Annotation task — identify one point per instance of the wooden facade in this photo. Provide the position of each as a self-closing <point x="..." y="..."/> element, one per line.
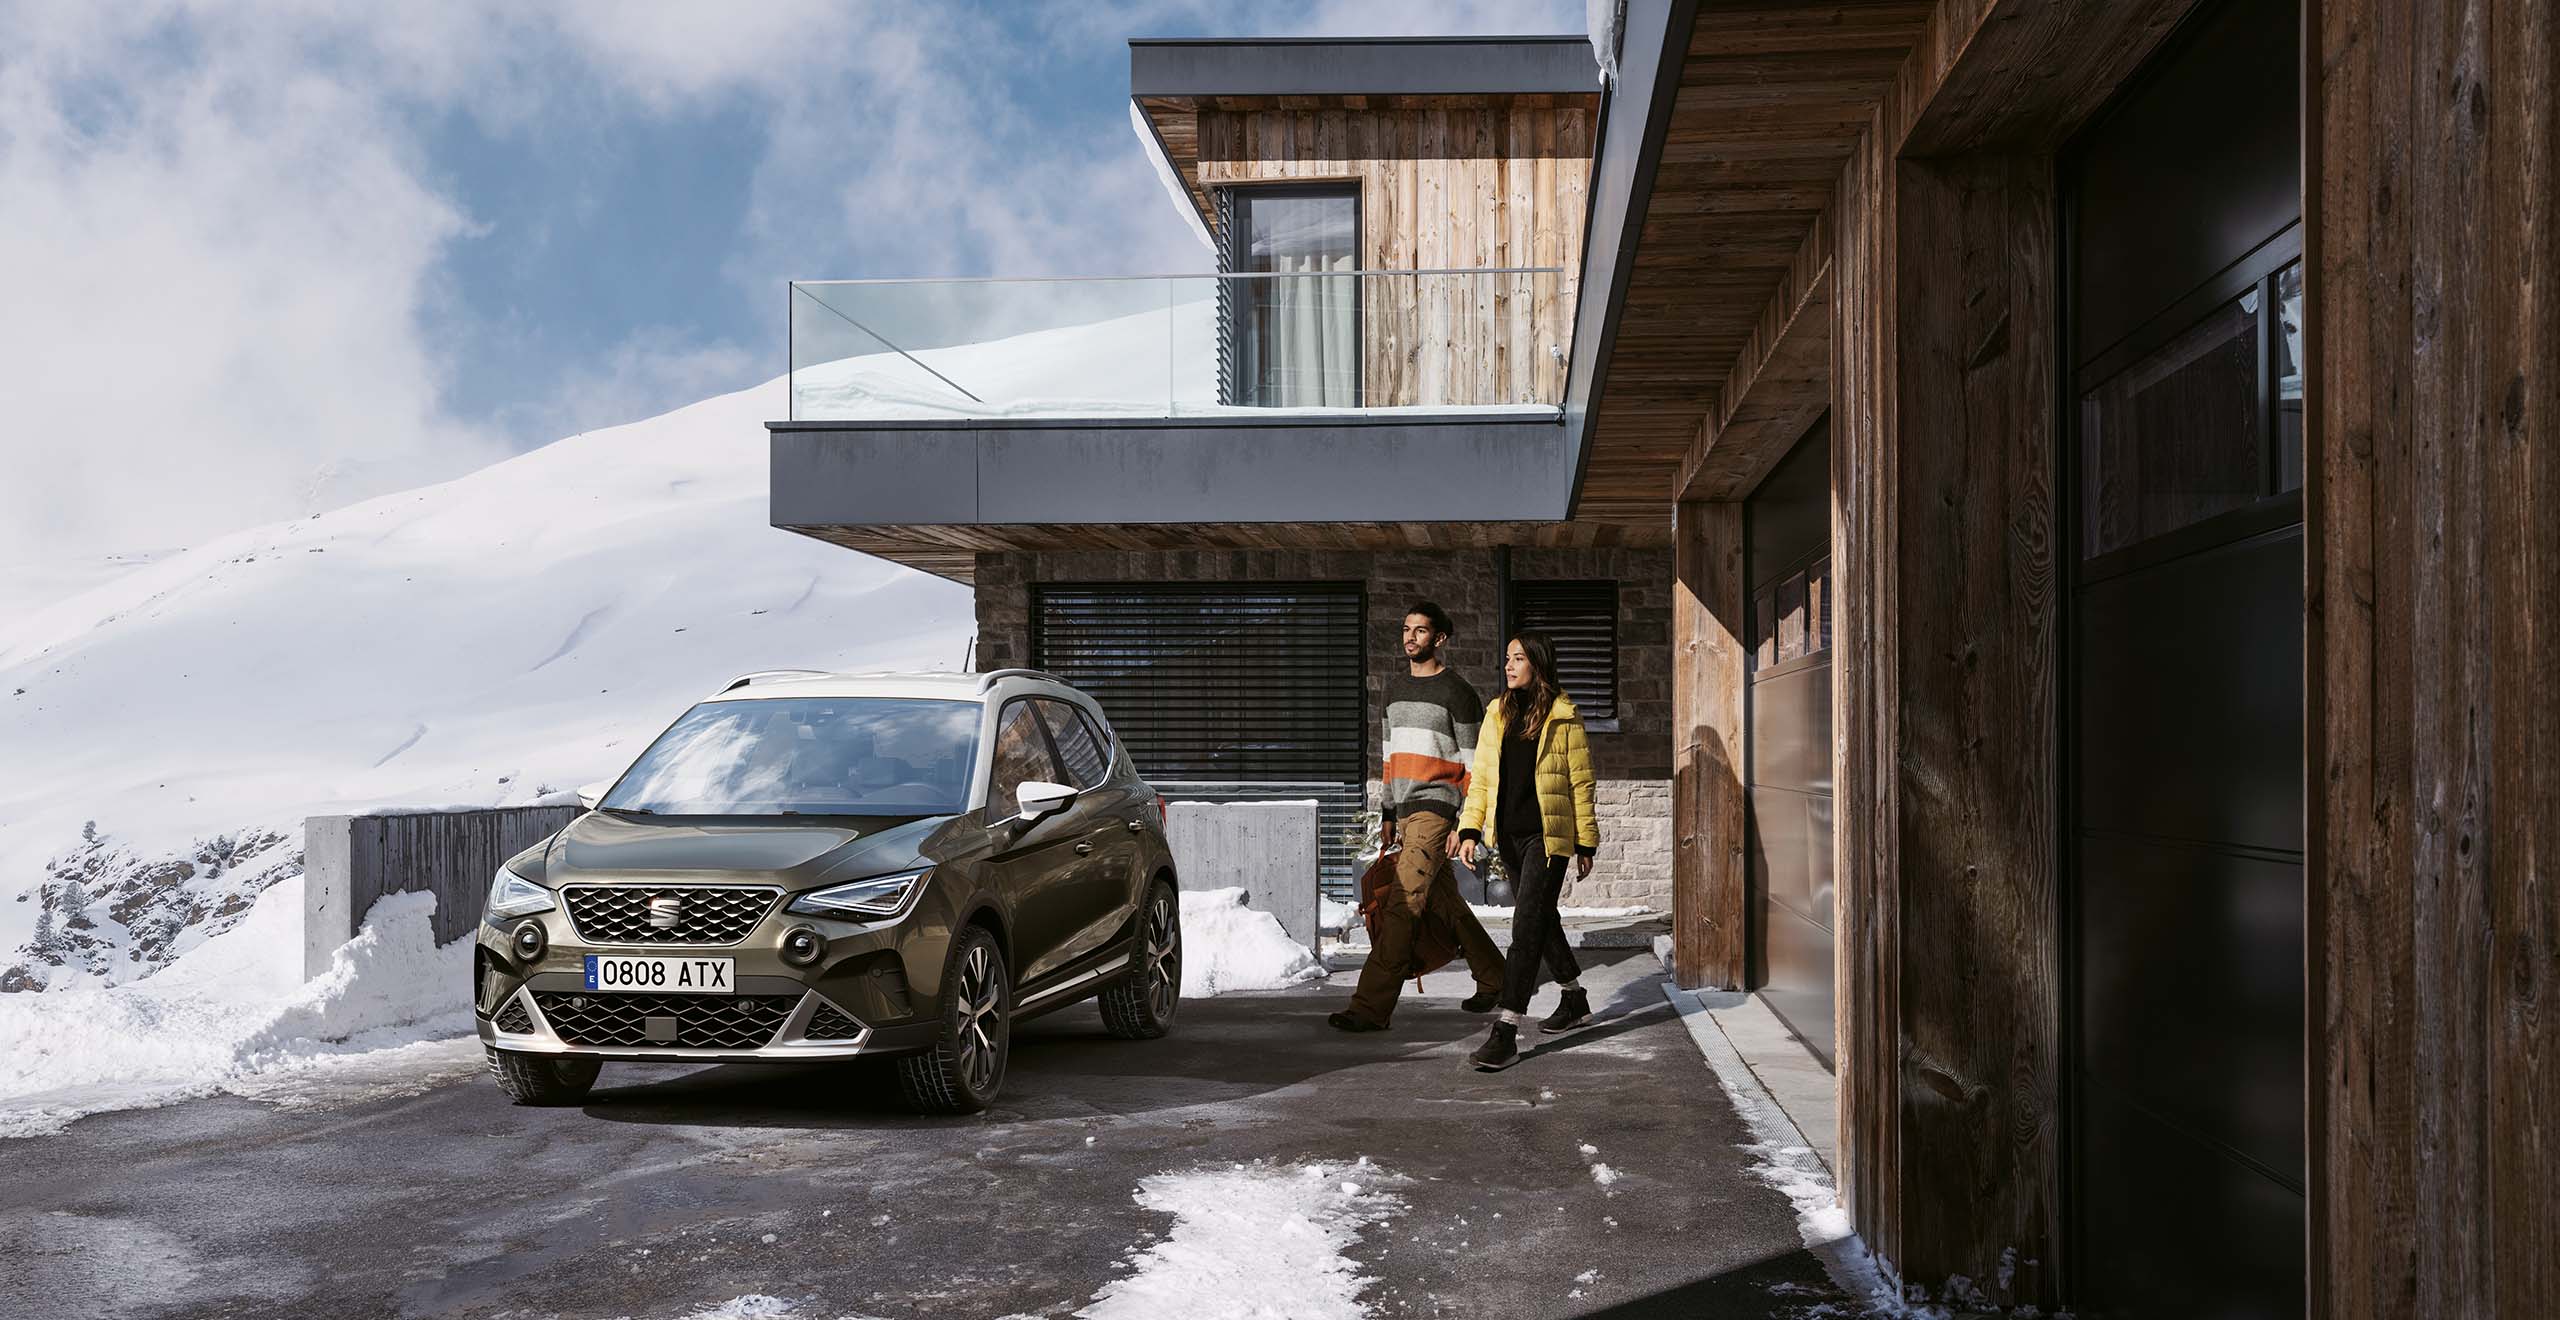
<point x="2434" y="258"/>
<point x="1445" y="183"/>
<point x="1855" y="214"/>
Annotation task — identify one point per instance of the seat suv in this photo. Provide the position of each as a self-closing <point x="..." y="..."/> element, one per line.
<point x="816" y="866"/>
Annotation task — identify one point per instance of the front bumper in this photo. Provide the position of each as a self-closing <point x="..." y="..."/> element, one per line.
<point x="872" y="991"/>
<point x="523" y="1023"/>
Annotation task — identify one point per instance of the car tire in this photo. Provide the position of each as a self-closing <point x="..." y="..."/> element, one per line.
<point x="1141" y="1005"/>
<point x="964" y="1070"/>
<point x="538" y="1079"/>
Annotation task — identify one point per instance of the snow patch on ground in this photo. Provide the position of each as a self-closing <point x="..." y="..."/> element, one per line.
<point x="1335" y="914"/>
<point x="1227" y="946"/>
<point x="1251" y="1241"/>
<point x="234" y="1015"/>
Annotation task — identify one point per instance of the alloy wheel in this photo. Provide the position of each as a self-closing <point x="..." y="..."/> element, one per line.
<point x="1164" y="956"/>
<point x="981" y="1017"/>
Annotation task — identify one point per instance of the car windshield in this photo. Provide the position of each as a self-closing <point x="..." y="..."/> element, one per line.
<point x="831" y="756"/>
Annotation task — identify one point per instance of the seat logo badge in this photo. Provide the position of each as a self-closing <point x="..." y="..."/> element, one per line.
<point x="664" y="910"/>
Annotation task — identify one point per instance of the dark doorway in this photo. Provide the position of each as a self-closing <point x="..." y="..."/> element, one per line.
<point x="1787" y="851"/>
<point x="2183" y="899"/>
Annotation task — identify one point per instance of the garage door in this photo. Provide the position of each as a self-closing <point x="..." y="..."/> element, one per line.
<point x="2182" y="898"/>
<point x="1225" y="690"/>
<point x="1787" y="849"/>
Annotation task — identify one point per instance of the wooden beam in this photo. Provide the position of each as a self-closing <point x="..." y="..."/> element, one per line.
<point x="1776" y="395"/>
<point x="1708" y="609"/>
<point x="2022" y="75"/>
<point x="1977" y="795"/>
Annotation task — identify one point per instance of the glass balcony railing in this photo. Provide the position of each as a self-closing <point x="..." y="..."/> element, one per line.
<point x="1181" y="345"/>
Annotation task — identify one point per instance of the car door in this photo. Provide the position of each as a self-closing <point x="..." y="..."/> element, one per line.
<point x="1032" y="863"/>
<point x="1104" y="880"/>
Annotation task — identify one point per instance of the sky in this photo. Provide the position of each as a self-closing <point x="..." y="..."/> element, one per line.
<point x="261" y="259"/>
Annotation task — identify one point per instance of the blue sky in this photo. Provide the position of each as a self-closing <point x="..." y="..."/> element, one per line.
<point x="340" y="249"/>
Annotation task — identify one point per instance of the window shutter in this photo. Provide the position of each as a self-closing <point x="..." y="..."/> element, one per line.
<point x="1226" y="691"/>
<point x="1582" y="619"/>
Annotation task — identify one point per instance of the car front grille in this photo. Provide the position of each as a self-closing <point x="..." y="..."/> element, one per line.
<point x="513" y="1018"/>
<point x="828" y="1024"/>
<point x="703" y="914"/>
<point x="701" y="1022"/>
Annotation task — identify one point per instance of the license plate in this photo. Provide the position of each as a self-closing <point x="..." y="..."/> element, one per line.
<point x="663" y="976"/>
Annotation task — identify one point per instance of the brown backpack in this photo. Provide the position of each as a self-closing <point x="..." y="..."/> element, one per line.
<point x="1434" y="945"/>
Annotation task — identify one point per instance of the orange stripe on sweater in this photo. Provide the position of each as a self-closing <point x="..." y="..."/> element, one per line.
<point x="1418" y="768"/>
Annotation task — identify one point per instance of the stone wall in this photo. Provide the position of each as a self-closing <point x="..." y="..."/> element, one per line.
<point x="1633" y="764"/>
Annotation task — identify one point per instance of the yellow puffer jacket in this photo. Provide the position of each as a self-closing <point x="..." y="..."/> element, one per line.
<point x="1565" y="785"/>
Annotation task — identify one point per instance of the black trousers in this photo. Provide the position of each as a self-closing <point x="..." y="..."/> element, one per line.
<point x="1537" y="933"/>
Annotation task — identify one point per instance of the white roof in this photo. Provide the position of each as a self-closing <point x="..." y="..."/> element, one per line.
<point x="938" y="686"/>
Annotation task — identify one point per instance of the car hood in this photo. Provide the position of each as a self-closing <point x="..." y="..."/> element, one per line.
<point x="796" y="854"/>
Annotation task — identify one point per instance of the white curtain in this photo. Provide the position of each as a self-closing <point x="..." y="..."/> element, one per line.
<point x="1302" y="344"/>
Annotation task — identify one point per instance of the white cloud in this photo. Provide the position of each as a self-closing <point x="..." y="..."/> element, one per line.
<point x="220" y="232"/>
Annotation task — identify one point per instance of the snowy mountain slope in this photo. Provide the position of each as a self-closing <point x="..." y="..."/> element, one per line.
<point x="506" y="635"/>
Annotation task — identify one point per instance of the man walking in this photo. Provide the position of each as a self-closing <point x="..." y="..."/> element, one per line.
<point x="1431" y="721"/>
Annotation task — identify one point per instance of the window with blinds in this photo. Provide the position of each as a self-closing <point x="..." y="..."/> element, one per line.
<point x="1226" y="691"/>
<point x="1229" y="682"/>
<point x="1582" y="619"/>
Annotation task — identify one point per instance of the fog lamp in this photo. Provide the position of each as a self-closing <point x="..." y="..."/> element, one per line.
<point x="528" y="941"/>
<point x="802" y="946"/>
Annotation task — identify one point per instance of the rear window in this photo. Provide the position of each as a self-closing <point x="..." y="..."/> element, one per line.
<point x="807" y="756"/>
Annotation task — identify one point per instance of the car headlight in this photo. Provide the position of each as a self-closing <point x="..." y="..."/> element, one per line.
<point x="879" y="896"/>
<point x="512" y="896"/>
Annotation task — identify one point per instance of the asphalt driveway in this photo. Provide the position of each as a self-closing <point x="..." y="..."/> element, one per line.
<point x="675" y="1189"/>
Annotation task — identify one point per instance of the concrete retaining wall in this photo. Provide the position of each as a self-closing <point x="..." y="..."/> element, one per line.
<point x="1267" y="849"/>
<point x="349" y="862"/>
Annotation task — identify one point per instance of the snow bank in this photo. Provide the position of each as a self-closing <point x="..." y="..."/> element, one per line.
<point x="1228" y="946"/>
<point x="233" y="1011"/>
<point x="1253" y="1240"/>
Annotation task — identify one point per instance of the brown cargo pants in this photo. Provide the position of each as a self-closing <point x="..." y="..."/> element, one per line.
<point x="1425" y="891"/>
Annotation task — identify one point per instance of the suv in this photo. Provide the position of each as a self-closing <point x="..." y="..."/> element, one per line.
<point x="819" y="866"/>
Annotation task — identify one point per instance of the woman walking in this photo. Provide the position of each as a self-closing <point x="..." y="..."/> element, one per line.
<point x="1532" y="786"/>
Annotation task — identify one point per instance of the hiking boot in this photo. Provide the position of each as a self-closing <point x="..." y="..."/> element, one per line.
<point x="1573" y="1011"/>
<point x="1482" y="1001"/>
<point x="1346" y="1022"/>
<point x="1500" y="1050"/>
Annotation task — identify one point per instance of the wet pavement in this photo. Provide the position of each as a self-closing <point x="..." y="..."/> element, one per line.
<point x="674" y="1189"/>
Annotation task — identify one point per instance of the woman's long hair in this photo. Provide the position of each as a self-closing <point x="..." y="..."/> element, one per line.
<point x="1524" y="709"/>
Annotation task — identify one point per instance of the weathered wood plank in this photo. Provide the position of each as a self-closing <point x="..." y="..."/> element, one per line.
<point x="1709" y="608"/>
<point x="2434" y="502"/>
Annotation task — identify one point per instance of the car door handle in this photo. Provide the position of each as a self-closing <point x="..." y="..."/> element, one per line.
<point x="1084" y="850"/>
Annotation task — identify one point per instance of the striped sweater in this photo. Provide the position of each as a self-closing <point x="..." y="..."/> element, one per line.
<point x="1430" y="739"/>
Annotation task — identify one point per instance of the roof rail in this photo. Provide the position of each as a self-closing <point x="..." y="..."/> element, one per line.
<point x="994" y="676"/>
<point x="773" y="676"/>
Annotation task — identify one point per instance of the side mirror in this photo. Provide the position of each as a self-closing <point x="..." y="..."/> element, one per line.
<point x="1038" y="800"/>
<point x="591" y="794"/>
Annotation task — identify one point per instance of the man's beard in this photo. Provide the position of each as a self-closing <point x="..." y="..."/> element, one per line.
<point x="1423" y="656"/>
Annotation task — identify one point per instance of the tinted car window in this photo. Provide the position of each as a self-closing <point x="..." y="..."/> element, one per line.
<point x="1021" y="756"/>
<point x="1078" y="749"/>
<point x="807" y="755"/>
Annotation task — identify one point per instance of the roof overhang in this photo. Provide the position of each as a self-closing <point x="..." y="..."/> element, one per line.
<point x="1372" y="66"/>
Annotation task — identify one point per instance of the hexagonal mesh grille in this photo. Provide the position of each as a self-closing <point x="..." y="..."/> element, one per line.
<point x="702" y="1022"/>
<point x="828" y="1024"/>
<point x="704" y="914"/>
<point x="513" y="1018"/>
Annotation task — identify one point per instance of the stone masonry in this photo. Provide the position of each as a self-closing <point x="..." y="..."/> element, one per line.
<point x="1633" y="763"/>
